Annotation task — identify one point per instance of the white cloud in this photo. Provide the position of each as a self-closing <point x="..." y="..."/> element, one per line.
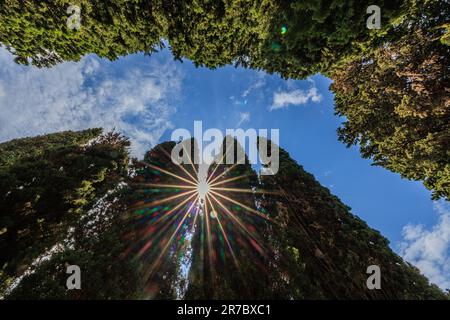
<point x="2" y="90"/>
<point x="429" y="250"/>
<point x="75" y="96"/>
<point x="282" y="99"/>
<point x="258" y="84"/>
<point x="243" y="117"/>
<point x="238" y="102"/>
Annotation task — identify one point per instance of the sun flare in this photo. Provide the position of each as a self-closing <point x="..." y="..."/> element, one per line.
<point x="195" y="192"/>
<point x="203" y="189"/>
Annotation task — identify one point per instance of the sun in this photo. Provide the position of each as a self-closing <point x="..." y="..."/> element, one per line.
<point x="203" y="189"/>
<point x="200" y="193"/>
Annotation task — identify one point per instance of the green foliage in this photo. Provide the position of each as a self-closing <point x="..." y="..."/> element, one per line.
<point x="95" y="245"/>
<point x="324" y="250"/>
<point x="391" y="83"/>
<point x="37" y="31"/>
<point x="216" y="273"/>
<point x="160" y="269"/>
<point x="308" y="247"/>
<point x="46" y="183"/>
<point x="216" y="33"/>
<point x="292" y="38"/>
<point x="395" y="99"/>
<point x="310" y="36"/>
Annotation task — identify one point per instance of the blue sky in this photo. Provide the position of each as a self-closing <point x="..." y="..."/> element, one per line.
<point x="148" y="97"/>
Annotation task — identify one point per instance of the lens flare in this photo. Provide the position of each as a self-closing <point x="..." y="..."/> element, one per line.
<point x="203" y="188"/>
<point x="174" y="199"/>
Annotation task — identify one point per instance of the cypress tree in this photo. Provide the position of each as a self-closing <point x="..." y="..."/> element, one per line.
<point x="324" y="250"/>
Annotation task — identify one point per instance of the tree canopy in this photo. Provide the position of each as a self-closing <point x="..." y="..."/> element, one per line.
<point x="133" y="236"/>
<point x="46" y="184"/>
<point x="391" y="84"/>
<point x="395" y="99"/>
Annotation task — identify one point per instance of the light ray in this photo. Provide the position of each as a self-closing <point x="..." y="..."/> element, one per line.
<point x="190" y="160"/>
<point x="223" y="233"/>
<point x="160" y="185"/>
<point x="223" y="173"/>
<point x="226" y="234"/>
<point x="208" y="240"/>
<point x="220" y="162"/>
<point x="164" y="200"/>
<point x="242" y="205"/>
<point x="171" y="174"/>
<point x="157" y="261"/>
<point x="189" y="156"/>
<point x="167" y="214"/>
<point x="236" y="219"/>
<point x="228" y="180"/>
<point x="241" y="190"/>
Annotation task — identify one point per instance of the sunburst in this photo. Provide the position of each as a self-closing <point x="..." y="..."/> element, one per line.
<point x="195" y="193"/>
